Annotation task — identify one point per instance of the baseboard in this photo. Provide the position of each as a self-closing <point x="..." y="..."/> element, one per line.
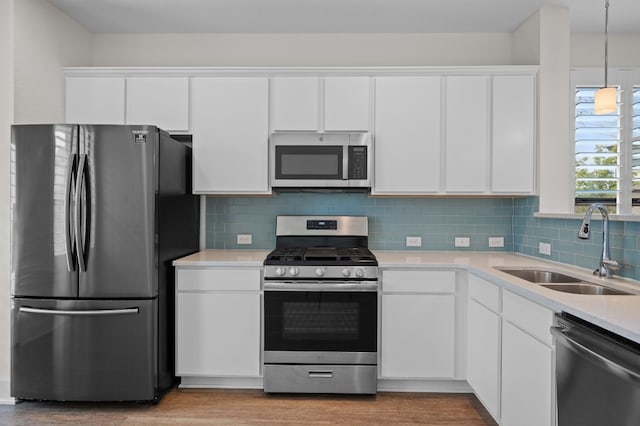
<point x="444" y="386"/>
<point x="221" y="382"/>
<point x="384" y="385"/>
<point x="5" y="391"/>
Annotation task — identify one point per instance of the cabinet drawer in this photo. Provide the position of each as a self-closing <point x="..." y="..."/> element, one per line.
<point x="485" y="293"/>
<point x="218" y="279"/>
<point x="419" y="281"/>
<point x="527" y="315"/>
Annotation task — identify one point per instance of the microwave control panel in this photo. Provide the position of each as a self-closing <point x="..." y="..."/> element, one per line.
<point x="358" y="162"/>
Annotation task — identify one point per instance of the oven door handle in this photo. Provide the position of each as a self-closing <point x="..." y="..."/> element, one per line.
<point x="320" y="286"/>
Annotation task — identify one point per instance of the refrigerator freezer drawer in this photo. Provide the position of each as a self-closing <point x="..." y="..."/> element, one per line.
<point x="84" y="350"/>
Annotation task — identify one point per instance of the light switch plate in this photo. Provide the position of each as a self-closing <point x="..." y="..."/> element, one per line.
<point x="244" y="239"/>
<point x="414" y="242"/>
<point x="544" y="248"/>
<point x="462" y="241"/>
<point x="496" y="241"/>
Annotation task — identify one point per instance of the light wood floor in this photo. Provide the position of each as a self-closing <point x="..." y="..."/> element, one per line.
<point x="250" y="407"/>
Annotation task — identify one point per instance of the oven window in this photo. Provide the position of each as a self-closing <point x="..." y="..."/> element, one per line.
<point x="320" y="321"/>
<point x="309" y="162"/>
<point x="314" y="320"/>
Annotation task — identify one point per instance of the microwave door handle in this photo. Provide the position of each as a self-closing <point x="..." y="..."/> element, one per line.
<point x="345" y="162"/>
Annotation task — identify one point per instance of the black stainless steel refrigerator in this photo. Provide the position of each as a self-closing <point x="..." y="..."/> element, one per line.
<point x="98" y="214"/>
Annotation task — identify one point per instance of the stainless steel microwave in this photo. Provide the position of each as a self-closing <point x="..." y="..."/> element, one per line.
<point x="320" y="160"/>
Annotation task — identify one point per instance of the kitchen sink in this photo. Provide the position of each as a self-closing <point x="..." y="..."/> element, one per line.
<point x="564" y="283"/>
<point x="587" y="288"/>
<point x="541" y="276"/>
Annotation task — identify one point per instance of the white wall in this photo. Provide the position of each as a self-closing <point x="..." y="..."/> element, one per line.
<point x="6" y="118"/>
<point x="36" y="40"/>
<point x="45" y="41"/>
<point x="555" y="148"/>
<point x="525" y="42"/>
<point x="587" y="50"/>
<point x="301" y="49"/>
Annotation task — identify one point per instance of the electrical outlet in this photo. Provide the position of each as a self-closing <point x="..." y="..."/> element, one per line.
<point x="414" y="242"/>
<point x="544" y="248"/>
<point x="244" y="239"/>
<point x="462" y="241"/>
<point x="496" y="241"/>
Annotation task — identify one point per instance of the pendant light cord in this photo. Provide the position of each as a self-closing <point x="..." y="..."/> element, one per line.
<point x="606" y="40"/>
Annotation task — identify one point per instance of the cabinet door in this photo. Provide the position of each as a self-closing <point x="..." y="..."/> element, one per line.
<point x="513" y="151"/>
<point x="467" y="145"/>
<point x="294" y="103"/>
<point x="407" y="135"/>
<point x="230" y="134"/>
<point x="346" y="103"/>
<point x="526" y="379"/>
<point x="483" y="355"/>
<point x="417" y="336"/>
<point x="159" y="101"/>
<point x="218" y="334"/>
<point x="95" y="100"/>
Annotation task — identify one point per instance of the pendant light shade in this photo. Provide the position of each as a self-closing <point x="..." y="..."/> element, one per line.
<point x="606" y="100"/>
<point x="606" y="97"/>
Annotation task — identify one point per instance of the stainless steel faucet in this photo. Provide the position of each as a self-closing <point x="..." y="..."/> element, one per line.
<point x="606" y="263"/>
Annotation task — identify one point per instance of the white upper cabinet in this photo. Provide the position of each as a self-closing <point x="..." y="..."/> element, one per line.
<point x="467" y="146"/>
<point x="294" y="103"/>
<point x="514" y="136"/>
<point x="230" y="134"/>
<point x="311" y="103"/>
<point x="95" y="100"/>
<point x="346" y="103"/>
<point x="407" y="135"/>
<point x="435" y="131"/>
<point x="159" y="101"/>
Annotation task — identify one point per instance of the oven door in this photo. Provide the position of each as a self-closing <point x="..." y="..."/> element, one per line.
<point x="322" y="327"/>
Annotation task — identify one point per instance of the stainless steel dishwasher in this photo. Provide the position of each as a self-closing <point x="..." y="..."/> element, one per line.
<point x="597" y="375"/>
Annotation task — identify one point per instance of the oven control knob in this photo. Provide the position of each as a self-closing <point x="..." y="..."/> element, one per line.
<point x="346" y="272"/>
<point x="319" y="272"/>
<point x="280" y="271"/>
<point x="359" y="272"/>
<point x="294" y="271"/>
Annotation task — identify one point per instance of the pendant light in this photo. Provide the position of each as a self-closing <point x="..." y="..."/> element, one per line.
<point x="606" y="97"/>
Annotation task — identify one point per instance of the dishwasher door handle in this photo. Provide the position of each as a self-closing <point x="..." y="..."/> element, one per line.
<point x="562" y="334"/>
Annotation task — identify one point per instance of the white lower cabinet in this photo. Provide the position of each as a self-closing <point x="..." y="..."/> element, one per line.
<point x="510" y="355"/>
<point x="483" y="360"/>
<point x="418" y="318"/>
<point x="218" y="323"/>
<point x="527" y="364"/>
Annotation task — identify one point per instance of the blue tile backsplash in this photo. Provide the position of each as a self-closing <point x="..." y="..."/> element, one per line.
<point x="566" y="247"/>
<point x="437" y="220"/>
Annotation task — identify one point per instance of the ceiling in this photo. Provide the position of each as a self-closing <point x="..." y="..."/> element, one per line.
<point x="338" y="16"/>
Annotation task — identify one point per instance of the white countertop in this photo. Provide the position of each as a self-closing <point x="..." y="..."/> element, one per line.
<point x="223" y="258"/>
<point x="619" y="314"/>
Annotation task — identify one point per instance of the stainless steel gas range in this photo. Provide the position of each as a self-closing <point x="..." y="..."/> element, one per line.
<point x="320" y="307"/>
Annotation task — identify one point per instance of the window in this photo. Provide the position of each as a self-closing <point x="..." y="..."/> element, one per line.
<point x="597" y="153"/>
<point x="635" y="141"/>
<point x="607" y="147"/>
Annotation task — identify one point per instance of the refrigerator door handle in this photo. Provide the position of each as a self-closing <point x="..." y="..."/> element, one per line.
<point x="80" y="206"/>
<point x="96" y="312"/>
<point x="70" y="248"/>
